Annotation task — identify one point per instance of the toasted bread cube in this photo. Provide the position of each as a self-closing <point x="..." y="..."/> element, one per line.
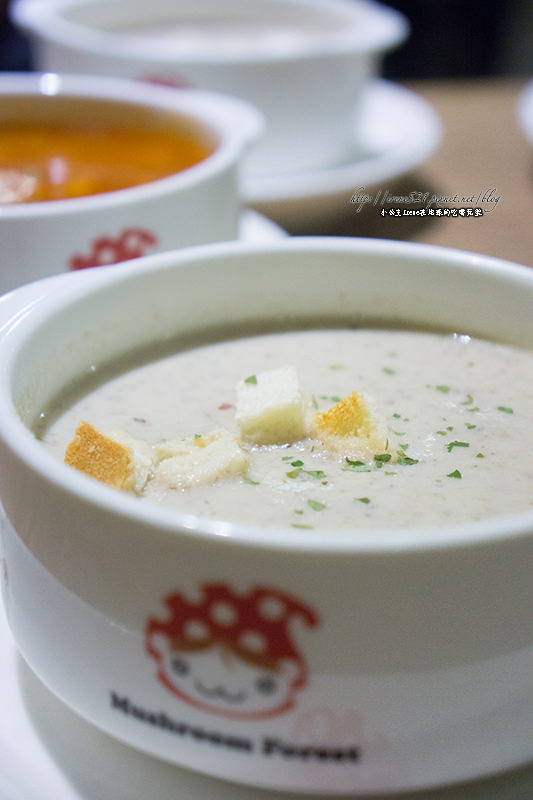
<point x="199" y="460"/>
<point x="143" y="458"/>
<point x="124" y="465"/>
<point x="100" y="457"/>
<point x="352" y="427"/>
<point x="272" y="407"/>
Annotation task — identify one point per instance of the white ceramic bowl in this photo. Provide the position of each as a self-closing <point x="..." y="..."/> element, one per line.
<point x="195" y="206"/>
<point x="305" y="72"/>
<point x="420" y="672"/>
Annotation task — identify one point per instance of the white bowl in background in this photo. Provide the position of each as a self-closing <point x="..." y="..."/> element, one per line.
<point x="198" y="205"/>
<point x="303" y="63"/>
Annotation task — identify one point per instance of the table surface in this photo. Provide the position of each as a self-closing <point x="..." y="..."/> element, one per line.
<point x="483" y="153"/>
<point x="483" y="148"/>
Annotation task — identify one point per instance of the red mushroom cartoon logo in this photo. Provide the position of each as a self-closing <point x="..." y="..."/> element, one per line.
<point x="106" y="250"/>
<point x="229" y="654"/>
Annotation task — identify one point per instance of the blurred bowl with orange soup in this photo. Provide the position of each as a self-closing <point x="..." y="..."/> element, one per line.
<point x="95" y="171"/>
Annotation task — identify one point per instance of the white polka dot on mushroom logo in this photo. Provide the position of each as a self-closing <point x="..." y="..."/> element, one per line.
<point x="223" y="613"/>
<point x="271" y="608"/>
<point x="254" y="641"/>
<point x="196" y="630"/>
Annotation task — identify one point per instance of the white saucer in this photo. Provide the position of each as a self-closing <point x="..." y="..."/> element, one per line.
<point x="398" y="131"/>
<point x="254" y="227"/>
<point x="49" y="753"/>
<point x="525" y="110"/>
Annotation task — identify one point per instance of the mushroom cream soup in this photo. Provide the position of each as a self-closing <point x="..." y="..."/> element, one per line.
<point x="451" y="417"/>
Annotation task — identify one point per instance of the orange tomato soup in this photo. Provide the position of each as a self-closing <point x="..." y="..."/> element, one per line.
<point x="55" y="160"/>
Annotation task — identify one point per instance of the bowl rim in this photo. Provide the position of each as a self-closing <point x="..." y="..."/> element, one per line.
<point x="66" y="288"/>
<point x="212" y="110"/>
<point x="384" y="28"/>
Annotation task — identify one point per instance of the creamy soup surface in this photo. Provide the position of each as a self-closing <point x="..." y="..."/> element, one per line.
<point x="460" y="413"/>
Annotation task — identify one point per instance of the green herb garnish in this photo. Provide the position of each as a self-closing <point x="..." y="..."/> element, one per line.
<point x="251" y="482"/>
<point x="454" y="474"/>
<point x="363" y="499"/>
<point x="293" y="473"/>
<point x="451" y="445"/>
<point x="315" y="473"/>
<point x="505" y="409"/>
<point x="405" y="461"/>
<point x="251" y="379"/>
<point x="443" y="389"/>
<point x="356" y="466"/>
<point x="316" y="505"/>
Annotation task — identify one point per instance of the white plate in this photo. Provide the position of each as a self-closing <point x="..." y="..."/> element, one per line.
<point x="525" y="110"/>
<point x="398" y="131"/>
<point x="49" y="753"/>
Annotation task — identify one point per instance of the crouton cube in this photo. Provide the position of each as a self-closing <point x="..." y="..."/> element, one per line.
<point x="100" y="457"/>
<point x="272" y="407"/>
<point x="352" y="427"/>
<point x="201" y="459"/>
<point x="142" y="457"/>
<point x="117" y="460"/>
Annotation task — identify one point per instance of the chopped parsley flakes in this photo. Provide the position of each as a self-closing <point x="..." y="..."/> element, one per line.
<point x="356" y="466"/>
<point x="451" y="445"/>
<point x="316" y="505"/>
<point x="405" y="461"/>
<point x="454" y="474"/>
<point x="293" y="473"/>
